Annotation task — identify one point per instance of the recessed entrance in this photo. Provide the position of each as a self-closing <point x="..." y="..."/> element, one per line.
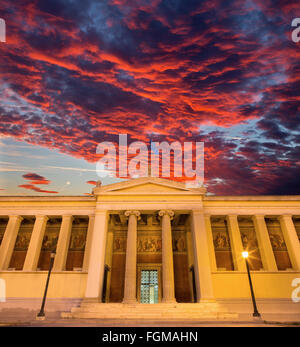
<point x="149" y="287"/>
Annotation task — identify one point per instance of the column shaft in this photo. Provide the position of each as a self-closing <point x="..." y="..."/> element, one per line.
<point x="202" y="263"/>
<point x="167" y="257"/>
<point x="236" y="243"/>
<point x="291" y="240"/>
<point x="63" y="243"/>
<point x="9" y="240"/>
<point x="210" y="241"/>
<point x="35" y="245"/>
<point x="131" y="255"/>
<point x="88" y="243"/>
<point x="264" y="243"/>
<point x="94" y="285"/>
<point x="108" y="261"/>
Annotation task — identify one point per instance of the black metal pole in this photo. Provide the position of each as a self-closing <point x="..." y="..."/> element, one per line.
<point x="194" y="283"/>
<point x="255" y="311"/>
<point x="106" y="270"/>
<point x="42" y="312"/>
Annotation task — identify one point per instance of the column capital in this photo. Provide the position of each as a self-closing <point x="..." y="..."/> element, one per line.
<point x="282" y="216"/>
<point x="200" y="211"/>
<point x="99" y="212"/>
<point x="169" y="213"/>
<point x="258" y="216"/>
<point x="132" y="212"/>
<point x="16" y="216"/>
<point x="41" y="216"/>
<point x="67" y="215"/>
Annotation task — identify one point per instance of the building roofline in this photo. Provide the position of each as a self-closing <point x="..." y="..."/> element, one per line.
<point x="205" y="198"/>
<point x="252" y="197"/>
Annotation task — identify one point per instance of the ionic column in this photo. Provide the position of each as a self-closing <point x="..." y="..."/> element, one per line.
<point x="88" y="243"/>
<point x="35" y="245"/>
<point x="210" y="241"/>
<point x="291" y="240"/>
<point x="63" y="243"/>
<point x="264" y="243"/>
<point x="9" y="240"/>
<point x="202" y="263"/>
<point x="94" y="285"/>
<point x="131" y="254"/>
<point x="167" y="257"/>
<point x="236" y="243"/>
<point x="108" y="261"/>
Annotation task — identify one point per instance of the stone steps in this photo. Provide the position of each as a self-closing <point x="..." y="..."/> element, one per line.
<point x="200" y="311"/>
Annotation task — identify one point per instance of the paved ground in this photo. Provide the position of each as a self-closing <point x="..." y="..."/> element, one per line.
<point x="145" y="323"/>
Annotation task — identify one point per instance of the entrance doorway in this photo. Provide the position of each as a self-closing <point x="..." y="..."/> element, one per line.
<point x="149" y="283"/>
<point x="149" y="287"/>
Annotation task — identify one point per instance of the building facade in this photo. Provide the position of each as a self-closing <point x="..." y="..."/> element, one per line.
<point x="150" y="241"/>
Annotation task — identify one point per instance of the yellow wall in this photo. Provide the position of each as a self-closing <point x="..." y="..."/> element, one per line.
<point x="226" y="284"/>
<point x="265" y="285"/>
<point x="32" y="285"/>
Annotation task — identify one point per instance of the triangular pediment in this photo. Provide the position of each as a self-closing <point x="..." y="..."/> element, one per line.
<point x="145" y="185"/>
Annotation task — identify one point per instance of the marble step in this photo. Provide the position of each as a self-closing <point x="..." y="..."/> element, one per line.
<point x="152" y="316"/>
<point x="157" y="311"/>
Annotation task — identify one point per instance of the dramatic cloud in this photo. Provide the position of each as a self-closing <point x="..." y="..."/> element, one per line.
<point x="34" y="180"/>
<point x="75" y="73"/>
<point x="91" y="182"/>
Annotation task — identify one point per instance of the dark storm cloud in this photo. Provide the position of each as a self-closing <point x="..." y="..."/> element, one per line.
<point x="75" y="73"/>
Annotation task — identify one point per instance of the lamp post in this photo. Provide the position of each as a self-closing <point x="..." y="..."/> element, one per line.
<point x="41" y="314"/>
<point x="255" y="311"/>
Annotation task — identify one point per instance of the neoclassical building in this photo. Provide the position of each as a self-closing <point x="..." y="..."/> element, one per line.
<point x="150" y="241"/>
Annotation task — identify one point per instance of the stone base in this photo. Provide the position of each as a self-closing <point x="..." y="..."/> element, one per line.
<point x="40" y="318"/>
<point x="190" y="311"/>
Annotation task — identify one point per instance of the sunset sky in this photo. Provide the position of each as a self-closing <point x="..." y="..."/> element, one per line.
<point x="76" y="73"/>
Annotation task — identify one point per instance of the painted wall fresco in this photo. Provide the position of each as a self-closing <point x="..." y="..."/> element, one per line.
<point x="278" y="244"/>
<point x="22" y="243"/>
<point x="250" y="243"/>
<point x="3" y="224"/>
<point x="221" y="242"/>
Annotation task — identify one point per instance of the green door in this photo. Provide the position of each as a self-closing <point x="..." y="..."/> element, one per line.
<point x="149" y="287"/>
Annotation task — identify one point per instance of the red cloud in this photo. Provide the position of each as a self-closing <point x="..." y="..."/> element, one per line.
<point x="36" y="189"/>
<point x="91" y="182"/>
<point x="36" y="179"/>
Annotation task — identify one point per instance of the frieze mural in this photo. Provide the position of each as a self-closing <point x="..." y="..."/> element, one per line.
<point x="179" y="242"/>
<point x="51" y="237"/>
<point x="24" y="235"/>
<point x="221" y="240"/>
<point x="249" y="239"/>
<point x="50" y="241"/>
<point x="277" y="241"/>
<point x="3" y="224"/>
<point x="119" y="245"/>
<point x="150" y="242"/>
<point x="22" y="241"/>
<point x="220" y="234"/>
<point x="275" y="234"/>
<point x="297" y="227"/>
<point x="77" y="242"/>
<point x="1" y="235"/>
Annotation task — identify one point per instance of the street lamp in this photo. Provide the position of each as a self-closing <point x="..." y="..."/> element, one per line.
<point x="41" y="314"/>
<point x="255" y="311"/>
